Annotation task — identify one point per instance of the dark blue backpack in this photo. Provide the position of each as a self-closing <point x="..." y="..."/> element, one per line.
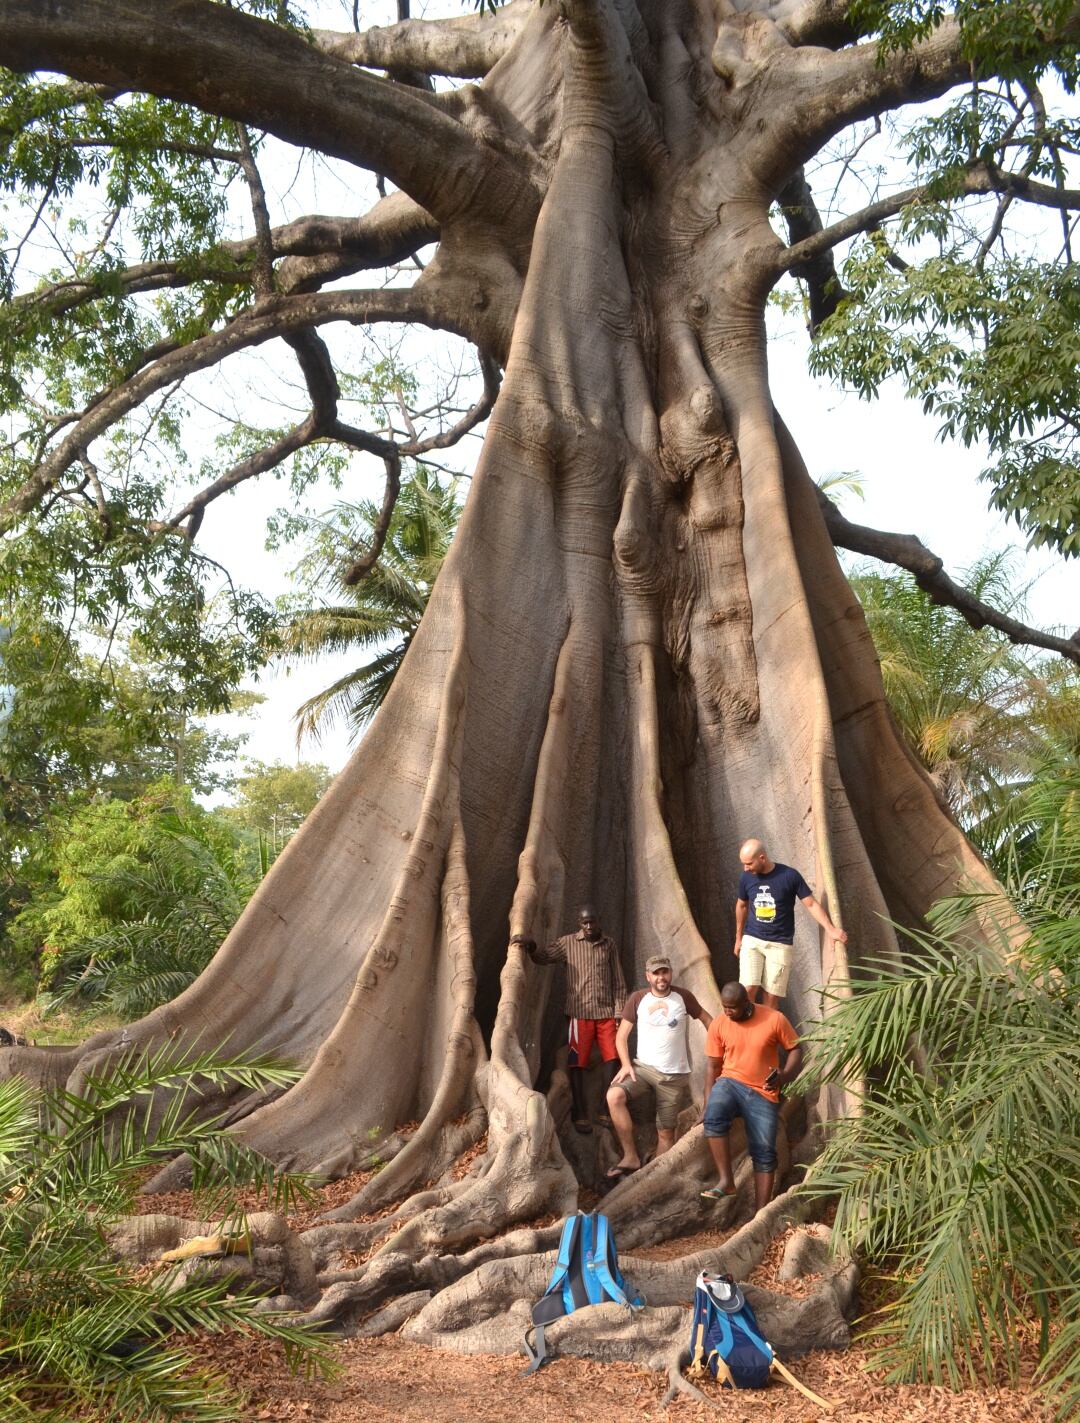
<point x="586" y="1272"/>
<point x="725" y="1337"/>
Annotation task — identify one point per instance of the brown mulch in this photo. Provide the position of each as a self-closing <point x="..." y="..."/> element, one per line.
<point x="684" y="1245"/>
<point x="304" y="1216"/>
<point x="463" y="1164"/>
<point x="389" y="1379"/>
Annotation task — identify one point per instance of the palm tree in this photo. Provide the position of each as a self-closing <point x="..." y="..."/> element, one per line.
<point x="980" y="714"/>
<point x="963" y="1177"/>
<point x="380" y="615"/>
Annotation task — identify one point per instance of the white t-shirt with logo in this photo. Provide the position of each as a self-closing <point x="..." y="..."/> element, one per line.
<point x="661" y="1024"/>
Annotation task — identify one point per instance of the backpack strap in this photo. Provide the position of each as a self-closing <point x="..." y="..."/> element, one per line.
<point x="806" y="1392"/>
<point x="698" y="1332"/>
<point x="538" y="1353"/>
<point x="565" y="1292"/>
<point x="606" y="1269"/>
<point x="564" y="1266"/>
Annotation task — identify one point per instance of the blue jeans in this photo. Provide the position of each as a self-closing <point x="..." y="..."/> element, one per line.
<point x="730" y="1099"/>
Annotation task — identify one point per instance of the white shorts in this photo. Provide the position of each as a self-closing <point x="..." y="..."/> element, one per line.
<point x="763" y="964"/>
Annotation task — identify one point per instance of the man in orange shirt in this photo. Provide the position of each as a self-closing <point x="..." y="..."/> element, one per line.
<point x="743" y="1078"/>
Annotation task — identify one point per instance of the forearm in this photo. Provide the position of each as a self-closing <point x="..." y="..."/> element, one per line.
<point x="622" y="1045"/>
<point x="554" y="953"/>
<point x="742" y="910"/>
<point x="815" y="910"/>
<point x="712" y="1072"/>
<point x="792" y="1067"/>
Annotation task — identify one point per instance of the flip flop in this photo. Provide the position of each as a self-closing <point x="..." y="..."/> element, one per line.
<point x="583" y="1127"/>
<point x="716" y="1193"/>
<point x="617" y="1173"/>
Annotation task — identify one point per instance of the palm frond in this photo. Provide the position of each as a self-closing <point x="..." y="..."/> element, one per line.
<point x="965" y="1173"/>
<point x="81" y="1335"/>
<point x="386" y="605"/>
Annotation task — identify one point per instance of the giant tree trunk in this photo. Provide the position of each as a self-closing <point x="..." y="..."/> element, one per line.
<point x="640" y="652"/>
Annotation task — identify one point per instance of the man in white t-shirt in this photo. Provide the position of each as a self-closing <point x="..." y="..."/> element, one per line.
<point x="661" y="1014"/>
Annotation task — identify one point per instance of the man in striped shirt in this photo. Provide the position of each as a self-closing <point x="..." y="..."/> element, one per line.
<point x="595" y="990"/>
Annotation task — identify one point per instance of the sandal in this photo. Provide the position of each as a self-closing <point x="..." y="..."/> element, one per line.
<point x="717" y="1193"/>
<point x="618" y="1173"/>
<point x="583" y="1126"/>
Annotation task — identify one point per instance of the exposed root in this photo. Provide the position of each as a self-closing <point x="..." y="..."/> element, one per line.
<point x="679" y="1383"/>
<point x="393" y="1315"/>
<point x="269" y="1256"/>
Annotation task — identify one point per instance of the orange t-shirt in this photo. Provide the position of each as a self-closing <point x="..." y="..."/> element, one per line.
<point x="751" y="1049"/>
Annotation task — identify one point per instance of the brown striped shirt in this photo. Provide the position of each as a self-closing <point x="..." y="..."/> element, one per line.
<point x="595" y="987"/>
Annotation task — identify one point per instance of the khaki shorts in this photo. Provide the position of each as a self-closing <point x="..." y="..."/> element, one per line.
<point x="671" y="1089"/>
<point x="763" y="964"/>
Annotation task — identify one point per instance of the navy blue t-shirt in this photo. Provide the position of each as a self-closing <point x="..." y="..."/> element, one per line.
<point x="772" y="899"/>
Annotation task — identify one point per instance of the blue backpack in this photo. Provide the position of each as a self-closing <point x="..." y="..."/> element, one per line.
<point x="725" y="1337"/>
<point x="586" y="1272"/>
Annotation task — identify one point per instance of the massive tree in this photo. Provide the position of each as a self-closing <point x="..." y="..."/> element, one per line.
<point x="641" y="647"/>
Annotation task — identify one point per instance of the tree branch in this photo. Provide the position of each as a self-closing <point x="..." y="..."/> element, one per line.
<point x="392" y="458"/>
<point x="906" y="551"/>
<point x="832" y="91"/>
<point x="980" y="180"/>
<point x="275" y="317"/>
<point x="263" y="268"/>
<point x="277" y="82"/>
<point x="815" y="22"/>
<point x="473" y="417"/>
<point x="258" y="463"/>
<point x="819" y="271"/>
<point x="465" y="47"/>
<point x="367" y="561"/>
<point x="316" y="249"/>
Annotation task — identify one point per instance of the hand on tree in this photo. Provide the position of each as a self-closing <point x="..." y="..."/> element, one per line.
<point x="524" y="942"/>
<point x="839" y="936"/>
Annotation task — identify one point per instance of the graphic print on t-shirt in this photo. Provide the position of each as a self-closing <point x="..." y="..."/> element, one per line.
<point x="771" y="899"/>
<point x="764" y="905"/>
<point x="660" y="1013"/>
<point x="661" y="1021"/>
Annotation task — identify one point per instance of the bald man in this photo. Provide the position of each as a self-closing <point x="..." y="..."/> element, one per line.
<point x="765" y="922"/>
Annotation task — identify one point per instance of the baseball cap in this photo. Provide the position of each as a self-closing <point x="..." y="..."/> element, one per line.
<point x="657" y="961"/>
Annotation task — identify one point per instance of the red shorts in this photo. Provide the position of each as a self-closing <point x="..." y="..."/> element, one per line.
<point x="586" y="1031"/>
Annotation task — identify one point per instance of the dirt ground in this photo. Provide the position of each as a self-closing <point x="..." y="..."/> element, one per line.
<point x="389" y="1379"/>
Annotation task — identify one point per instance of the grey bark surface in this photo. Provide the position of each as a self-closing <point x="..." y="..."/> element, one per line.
<point x="640" y="651"/>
